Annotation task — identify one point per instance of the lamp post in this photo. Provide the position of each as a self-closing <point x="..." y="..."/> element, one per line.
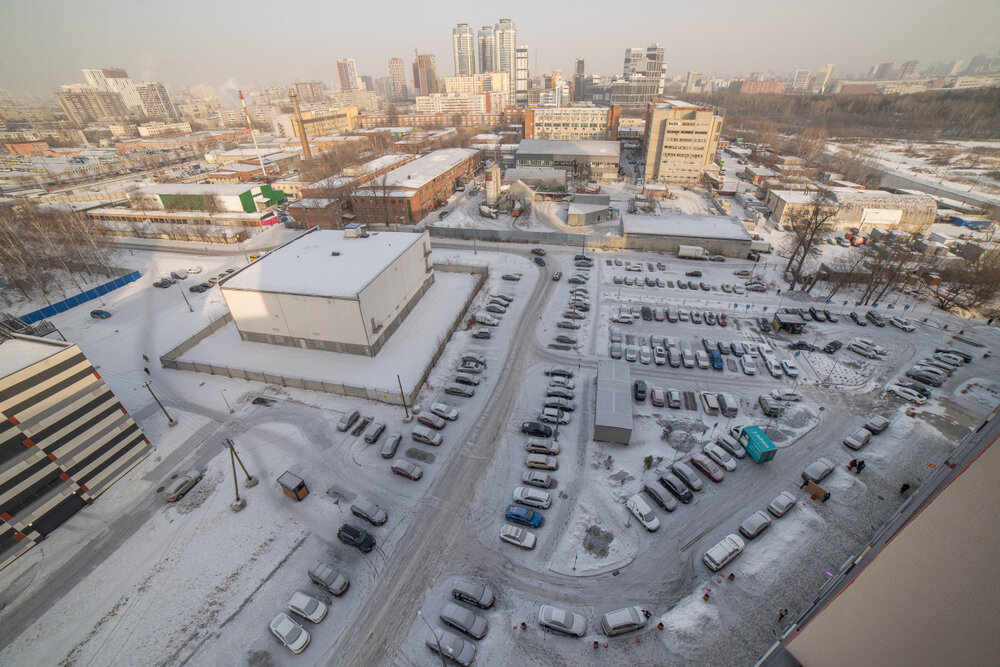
<point x="437" y="638"/>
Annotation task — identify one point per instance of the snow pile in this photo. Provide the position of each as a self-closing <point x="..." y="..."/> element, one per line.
<point x="688" y="626"/>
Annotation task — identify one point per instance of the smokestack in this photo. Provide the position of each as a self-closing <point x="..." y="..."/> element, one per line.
<point x="297" y="119"/>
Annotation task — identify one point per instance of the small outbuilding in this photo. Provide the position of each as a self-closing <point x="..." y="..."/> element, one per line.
<point x="788" y="322"/>
<point x="613" y="414"/>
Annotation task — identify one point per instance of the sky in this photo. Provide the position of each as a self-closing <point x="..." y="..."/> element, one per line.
<point x="45" y="43"/>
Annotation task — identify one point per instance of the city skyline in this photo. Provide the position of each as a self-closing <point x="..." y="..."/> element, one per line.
<point x="777" y="37"/>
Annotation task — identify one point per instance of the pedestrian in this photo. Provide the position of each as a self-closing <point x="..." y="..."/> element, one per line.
<point x="861" y="466"/>
<point x="852" y="464"/>
<point x="145" y="369"/>
<point x="732" y="577"/>
<point x="524" y="626"/>
<point x="781" y="614"/>
<point x="903" y="489"/>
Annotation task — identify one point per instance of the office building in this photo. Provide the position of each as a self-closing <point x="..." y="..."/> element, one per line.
<point x="424" y="74"/>
<point x="347" y="73"/>
<point x="64" y="438"/>
<point x="521" y="76"/>
<point x="155" y="100"/>
<point x="692" y="84"/>
<point x="579" y="80"/>
<point x="367" y="83"/>
<point x="680" y="141"/>
<point x="757" y="87"/>
<point x="800" y="80"/>
<point x="496" y="85"/>
<point x="486" y="42"/>
<point x="908" y="70"/>
<point x="582" y="159"/>
<point x="397" y="80"/>
<point x="634" y="61"/>
<point x="463" y="49"/>
<point x="115" y="80"/>
<point x="572" y="123"/>
<point x="308" y="92"/>
<point x="86" y="104"/>
<point x="452" y="103"/>
<point x="644" y="77"/>
<point x="884" y="71"/>
<point x="506" y="37"/>
<point x="821" y="83"/>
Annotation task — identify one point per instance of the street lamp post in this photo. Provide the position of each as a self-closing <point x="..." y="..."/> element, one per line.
<point x="437" y="639"/>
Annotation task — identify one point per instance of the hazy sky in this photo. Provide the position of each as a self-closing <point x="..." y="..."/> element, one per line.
<point x="45" y="43"/>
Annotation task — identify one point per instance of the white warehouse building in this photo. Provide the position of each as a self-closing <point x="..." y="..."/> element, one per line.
<point x="342" y="291"/>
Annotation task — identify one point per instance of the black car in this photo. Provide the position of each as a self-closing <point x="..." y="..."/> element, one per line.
<point x="802" y="345"/>
<point x="163" y="284"/>
<point x="510" y="276"/>
<point x="539" y="261"/>
<point x="875" y="318"/>
<point x="830" y="316"/>
<point x="832" y="346"/>
<point x="816" y="314"/>
<point x="197" y="288"/>
<point x="921" y="389"/>
<point x="639" y="390"/>
<point x="857" y="319"/>
<point x="647" y="313"/>
<point x="538" y="251"/>
<point x="536" y="429"/>
<point x="666" y="502"/>
<point x="559" y="392"/>
<point x="965" y="356"/>
<point x="926" y="378"/>
<point x="764" y="325"/>
<point x="693" y="274"/>
<point x="356" y="537"/>
<point x="676" y="487"/>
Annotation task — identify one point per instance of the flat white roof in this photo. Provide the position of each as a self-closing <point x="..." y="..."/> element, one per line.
<point x="16" y="354"/>
<point x="676" y="104"/>
<point x="422" y="171"/>
<point x="679" y="224"/>
<point x="564" y="147"/>
<point x="235" y="189"/>
<point x="305" y="265"/>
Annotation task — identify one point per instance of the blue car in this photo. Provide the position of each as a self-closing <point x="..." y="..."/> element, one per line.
<point x="737" y="349"/>
<point x="523" y="516"/>
<point x="100" y="314"/>
<point x="539" y="261"/>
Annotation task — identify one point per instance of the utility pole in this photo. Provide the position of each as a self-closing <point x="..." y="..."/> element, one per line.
<point x="170" y="420"/>
<point x="239" y="503"/>
<point x="251" y="480"/>
<point x="402" y="397"/>
<point x="185" y="298"/>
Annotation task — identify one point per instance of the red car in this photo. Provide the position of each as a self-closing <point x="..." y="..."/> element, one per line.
<point x="657" y="397"/>
<point x="704" y="286"/>
<point x="407" y="470"/>
<point x="708" y="466"/>
<point x="722" y="319"/>
<point x="432" y="420"/>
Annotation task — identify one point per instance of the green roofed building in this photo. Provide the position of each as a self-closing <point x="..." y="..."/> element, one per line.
<point x="234" y="198"/>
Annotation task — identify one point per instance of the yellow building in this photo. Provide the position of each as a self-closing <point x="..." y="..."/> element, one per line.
<point x="327" y="122"/>
<point x="680" y="140"/>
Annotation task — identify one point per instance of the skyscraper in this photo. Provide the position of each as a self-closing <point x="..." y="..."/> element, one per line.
<point x="114" y="80"/>
<point x="884" y="71"/>
<point x="633" y="61"/>
<point x="521" y="76"/>
<point x="644" y="77"/>
<point x="463" y="49"/>
<point x="424" y="74"/>
<point x="506" y="36"/>
<point x="800" y="80"/>
<point x="487" y="43"/>
<point x="397" y="79"/>
<point x="347" y="72"/>
<point x="822" y="81"/>
<point x="156" y="102"/>
<point x="908" y="69"/>
<point x="579" y="81"/>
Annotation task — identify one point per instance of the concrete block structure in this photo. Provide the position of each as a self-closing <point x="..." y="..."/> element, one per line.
<point x="583" y="159"/>
<point x="864" y="209"/>
<point x="613" y="413"/>
<point x="342" y="291"/>
<point x="64" y="439"/>
<point x="718" y="234"/>
<point x="680" y="141"/>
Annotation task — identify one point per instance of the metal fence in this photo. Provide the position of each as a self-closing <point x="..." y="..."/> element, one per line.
<point x="82" y="297"/>
<point x="518" y="236"/>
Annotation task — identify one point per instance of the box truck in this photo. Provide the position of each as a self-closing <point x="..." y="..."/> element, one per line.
<point x="755" y="441"/>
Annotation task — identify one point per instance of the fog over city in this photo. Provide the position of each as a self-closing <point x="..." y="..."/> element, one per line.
<point x="187" y="42"/>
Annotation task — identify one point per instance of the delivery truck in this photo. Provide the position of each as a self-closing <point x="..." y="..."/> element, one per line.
<point x="755" y="441"/>
<point x="692" y="252"/>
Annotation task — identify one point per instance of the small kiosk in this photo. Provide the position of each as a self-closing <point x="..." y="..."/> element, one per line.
<point x="293" y="485"/>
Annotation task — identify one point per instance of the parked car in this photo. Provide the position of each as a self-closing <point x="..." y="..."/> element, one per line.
<point x="875" y="318"/>
<point x="453" y="647"/>
<point x="372" y="434"/>
<point x="832" y="346"/>
<point x="427" y="436"/>
<point x="754" y="525"/>
<point x="624" y="620"/>
<point x="455" y="389"/>
<point x="926" y="378"/>
<point x="538" y="251"/>
<point x="674" y="399"/>
<point x="560" y="620"/>
<point x="907" y="394"/>
<point x="676" y="487"/>
<point x="720" y="456"/>
<point x="307" y="607"/>
<point x="535" y="478"/>
<point x="708" y="467"/>
<point x="541" y="461"/>
<point x="817" y="470"/>
<point x="328" y="578"/>
<point x="100" y="314"/>
<point x="877" y="424"/>
<point x="557" y="275"/>
<point x="356" y="537"/>
<point x="830" y="316"/>
<point x="369" y="511"/>
<point x="347" y="420"/>
<point x="728" y="443"/>
<point x="390" y="445"/>
<point x="558" y="371"/>
<point x="523" y="516"/>
<point x="857" y="319"/>
<point x="791" y="370"/>
<point x="519" y="537"/>
<point x="289" y="633"/>
<point x="180" y="485"/>
<point x="901" y="323"/>
<point x="641" y="510"/>
<point x="483" y="334"/>
<point x="407" y="469"/>
<point x="781" y="504"/>
<point x="918" y="387"/>
<point x="689" y="476"/>
<point x="431" y="420"/>
<point x="532" y="497"/>
<point x="639" y="390"/>
<point x="472" y="592"/>
<point x="463" y="620"/>
<point x="665" y="501"/>
<point x="722" y="553"/>
<point x="536" y="429"/>
<point x="764" y="325"/>
<point x="657" y="397"/>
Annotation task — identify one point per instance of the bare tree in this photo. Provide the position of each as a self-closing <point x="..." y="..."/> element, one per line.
<point x="808" y="225"/>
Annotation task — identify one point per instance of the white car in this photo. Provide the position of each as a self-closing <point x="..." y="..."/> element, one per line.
<point x="747" y="364"/>
<point x="289" y="633"/>
<point x="863" y="350"/>
<point x="643" y="512"/>
<point x="751" y="349"/>
<point x="532" y="497"/>
<point x="195" y="270"/>
<point x="645" y="355"/>
<point x="687" y="358"/>
<point x="565" y="383"/>
<point x="791" y="370"/>
<point x="780" y="505"/>
<point x="562" y="621"/>
<point x="907" y="394"/>
<point x="307" y="607"/>
<point x="553" y="416"/>
<point x="785" y="395"/>
<point x="659" y="356"/>
<point x="702" y="358"/>
<point x="729" y="548"/>
<point x="720" y="456"/>
<point x="519" y="537"/>
<point x="631" y="353"/>
<point x="868" y="342"/>
<point x="901" y="323"/>
<point x="444" y="411"/>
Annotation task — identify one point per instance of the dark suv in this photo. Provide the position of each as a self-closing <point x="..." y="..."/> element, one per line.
<point x="639" y="390"/>
<point x="356" y="537"/>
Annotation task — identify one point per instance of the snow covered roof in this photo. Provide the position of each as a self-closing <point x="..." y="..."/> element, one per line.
<point x="16" y="354"/>
<point x="562" y="147"/>
<point x="308" y="265"/>
<point x="676" y="104"/>
<point x="215" y="189"/>
<point x="587" y="208"/>
<point x="679" y="224"/>
<point x="420" y="172"/>
<point x="866" y="198"/>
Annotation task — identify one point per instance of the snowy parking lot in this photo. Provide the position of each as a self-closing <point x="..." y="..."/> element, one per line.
<point x="194" y="582"/>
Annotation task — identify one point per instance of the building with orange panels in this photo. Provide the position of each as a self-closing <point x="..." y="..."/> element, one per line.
<point x="24" y="148"/>
<point x="407" y="194"/>
<point x="757" y="87"/>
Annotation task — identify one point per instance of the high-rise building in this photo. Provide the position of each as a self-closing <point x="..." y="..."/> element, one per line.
<point x="521" y="76"/>
<point x="579" y="81"/>
<point x="368" y="82"/>
<point x="424" y="74"/>
<point x="691" y="83"/>
<point x="487" y="43"/>
<point x="680" y="140"/>
<point x="311" y="91"/>
<point x="884" y="71"/>
<point x="822" y="81"/>
<point x="114" y="80"/>
<point x="800" y="80"/>
<point x="908" y="69"/>
<point x="463" y="49"/>
<point x="644" y="77"/>
<point x="347" y="72"/>
<point x="155" y="100"/>
<point x="506" y="36"/>
<point x="397" y="79"/>
<point x="87" y="104"/>
<point x="634" y="57"/>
